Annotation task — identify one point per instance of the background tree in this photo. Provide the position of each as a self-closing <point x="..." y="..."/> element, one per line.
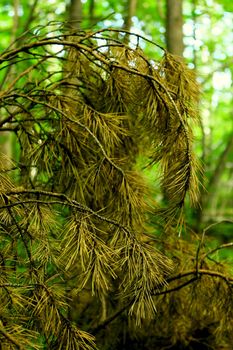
<point x="75" y="14"/>
<point x="174" y="27"/>
<point x="130" y="11"/>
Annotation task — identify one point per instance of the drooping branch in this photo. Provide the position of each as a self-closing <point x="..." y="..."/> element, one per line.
<point x="183" y="171"/>
<point x="227" y="279"/>
<point x="85" y="106"/>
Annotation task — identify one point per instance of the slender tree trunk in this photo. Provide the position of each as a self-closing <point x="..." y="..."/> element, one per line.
<point x="31" y="15"/>
<point x="174" y="36"/>
<point x="194" y="19"/>
<point x="75" y="14"/>
<point x="130" y="11"/>
<point x="91" y="11"/>
<point x="174" y="27"/>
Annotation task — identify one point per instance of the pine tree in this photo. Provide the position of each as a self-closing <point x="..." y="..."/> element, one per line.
<point x="74" y="208"/>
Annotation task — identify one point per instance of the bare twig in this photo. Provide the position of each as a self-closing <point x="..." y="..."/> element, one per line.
<point x="222" y="246"/>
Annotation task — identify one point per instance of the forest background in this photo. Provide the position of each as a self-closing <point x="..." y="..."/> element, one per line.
<point x="201" y="32"/>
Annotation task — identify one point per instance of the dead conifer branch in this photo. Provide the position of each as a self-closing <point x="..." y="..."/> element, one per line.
<point x="166" y="290"/>
<point x="74" y="207"/>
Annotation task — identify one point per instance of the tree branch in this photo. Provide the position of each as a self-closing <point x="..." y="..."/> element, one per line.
<point x="181" y="275"/>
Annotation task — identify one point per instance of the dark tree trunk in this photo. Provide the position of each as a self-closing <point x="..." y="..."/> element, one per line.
<point x="75" y="14"/>
<point x="174" y="27"/>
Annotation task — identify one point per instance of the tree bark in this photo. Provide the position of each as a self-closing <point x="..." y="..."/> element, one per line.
<point x="130" y="11"/>
<point x="75" y="14"/>
<point x="91" y="11"/>
<point x="174" y="27"/>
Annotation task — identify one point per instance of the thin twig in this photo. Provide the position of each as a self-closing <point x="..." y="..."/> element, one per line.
<point x="68" y="201"/>
<point x="222" y="246"/>
<point x="228" y="279"/>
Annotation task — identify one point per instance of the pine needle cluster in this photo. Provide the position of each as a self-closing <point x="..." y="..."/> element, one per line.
<point x="194" y="311"/>
<point x="73" y="207"/>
